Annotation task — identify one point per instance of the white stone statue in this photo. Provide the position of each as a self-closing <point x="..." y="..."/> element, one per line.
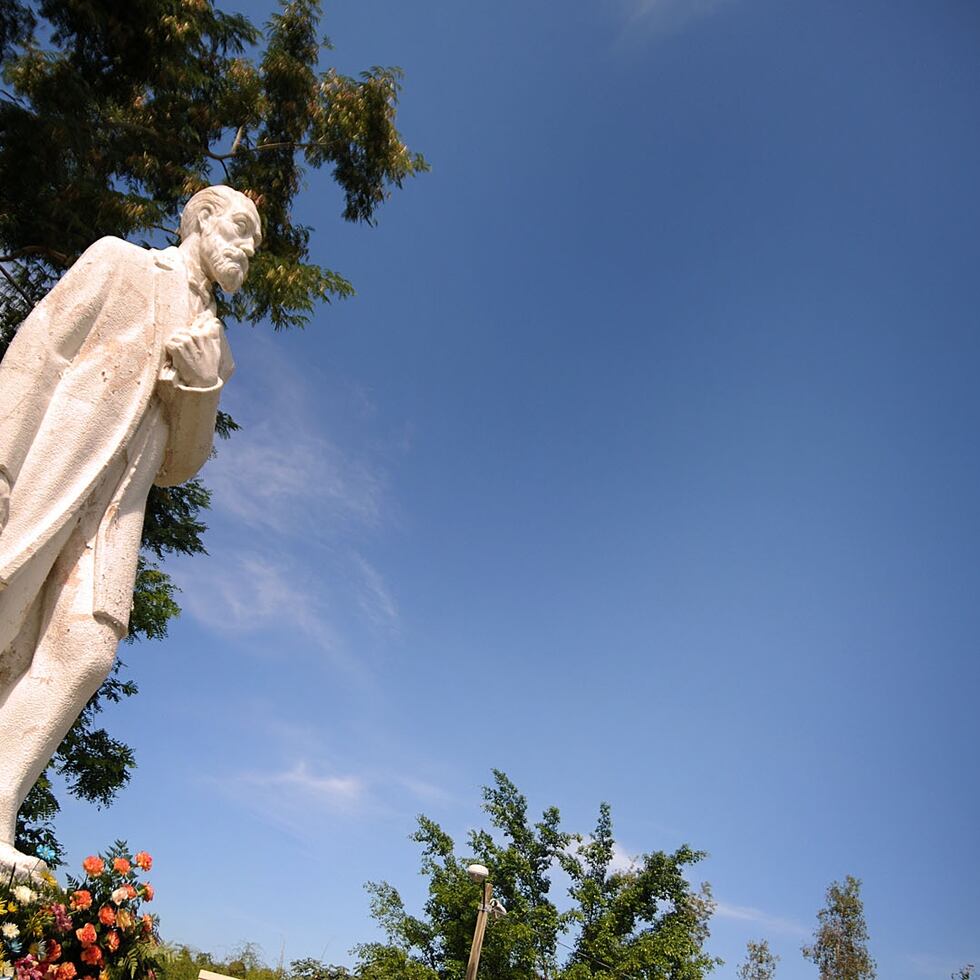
<point x="110" y="385"/>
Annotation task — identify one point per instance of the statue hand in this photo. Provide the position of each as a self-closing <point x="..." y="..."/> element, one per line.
<point x="196" y="351"/>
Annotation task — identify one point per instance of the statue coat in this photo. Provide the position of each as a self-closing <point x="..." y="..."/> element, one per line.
<point x="91" y="415"/>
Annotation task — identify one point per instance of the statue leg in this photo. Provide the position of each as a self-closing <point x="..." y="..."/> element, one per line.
<point x="73" y="655"/>
<point x="15" y="661"/>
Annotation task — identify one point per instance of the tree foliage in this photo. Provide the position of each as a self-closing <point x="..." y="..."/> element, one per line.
<point x="840" y="942"/>
<point x="760" y="962"/>
<point x="644" y="921"/>
<point x="245" y="963"/>
<point x="111" y="117"/>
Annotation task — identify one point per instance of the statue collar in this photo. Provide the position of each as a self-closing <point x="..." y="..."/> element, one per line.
<point x="168" y="258"/>
<point x="171" y="260"/>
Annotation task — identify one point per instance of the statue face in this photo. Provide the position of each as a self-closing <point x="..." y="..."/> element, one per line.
<point x="228" y="240"/>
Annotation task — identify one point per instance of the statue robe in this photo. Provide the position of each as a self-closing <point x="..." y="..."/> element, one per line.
<point x="92" y="414"/>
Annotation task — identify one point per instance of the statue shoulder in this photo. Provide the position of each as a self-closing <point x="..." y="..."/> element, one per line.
<point x="114" y="252"/>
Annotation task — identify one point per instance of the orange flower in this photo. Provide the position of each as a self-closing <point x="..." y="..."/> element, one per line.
<point x="121" y="865"/>
<point x="91" y="955"/>
<point x="67" y="971"/>
<point x="130" y="890"/>
<point x="107" y="916"/>
<point x="86" y="935"/>
<point x="148" y="892"/>
<point x="54" y="951"/>
<point x="81" y="899"/>
<point x="143" y="860"/>
<point x="111" y="940"/>
<point x="147" y="921"/>
<point x="93" y="866"/>
<point x="124" y="919"/>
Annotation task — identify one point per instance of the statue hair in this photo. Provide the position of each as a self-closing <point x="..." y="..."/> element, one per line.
<point x="212" y="200"/>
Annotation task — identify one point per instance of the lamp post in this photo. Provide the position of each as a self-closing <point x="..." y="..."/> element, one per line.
<point x="489" y="906"/>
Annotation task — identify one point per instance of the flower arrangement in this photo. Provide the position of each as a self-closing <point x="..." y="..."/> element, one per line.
<point x="93" y="929"/>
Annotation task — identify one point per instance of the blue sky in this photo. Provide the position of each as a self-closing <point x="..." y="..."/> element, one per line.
<point x="643" y="467"/>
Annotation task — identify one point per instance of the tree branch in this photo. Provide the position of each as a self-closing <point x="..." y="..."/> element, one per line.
<point x="14" y="99"/>
<point x="221" y="157"/>
<point x="13" y="282"/>
<point x="42" y="250"/>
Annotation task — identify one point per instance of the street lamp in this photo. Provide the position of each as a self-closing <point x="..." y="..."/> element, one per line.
<point x="489" y="906"/>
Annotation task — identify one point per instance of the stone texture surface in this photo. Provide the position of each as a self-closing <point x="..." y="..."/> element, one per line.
<point x="111" y="385"/>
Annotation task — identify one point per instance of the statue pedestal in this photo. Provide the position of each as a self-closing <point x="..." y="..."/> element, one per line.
<point x="14" y="865"/>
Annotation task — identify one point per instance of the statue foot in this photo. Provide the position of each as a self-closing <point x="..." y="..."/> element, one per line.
<point x="14" y="865"/>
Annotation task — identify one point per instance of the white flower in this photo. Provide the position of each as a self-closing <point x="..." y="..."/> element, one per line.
<point x="24" y="895"/>
<point x="120" y="895"/>
<point x="10" y="930"/>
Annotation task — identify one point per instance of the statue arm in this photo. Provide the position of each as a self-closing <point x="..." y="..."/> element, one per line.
<point x="191" y="412"/>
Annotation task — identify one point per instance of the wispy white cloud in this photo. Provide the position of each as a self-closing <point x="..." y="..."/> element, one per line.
<point x="284" y="475"/>
<point x="307" y="508"/>
<point x="766" y="921"/>
<point x="622" y="860"/>
<point x="329" y="791"/>
<point x="298" y="795"/>
<point x="668" y="16"/>
<point x="295" y="798"/>
<point x="373" y="596"/>
<point x="248" y="592"/>
<point x="423" y="790"/>
<point x="307" y="770"/>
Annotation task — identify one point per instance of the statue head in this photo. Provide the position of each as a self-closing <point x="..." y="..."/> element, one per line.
<point x="227" y="229"/>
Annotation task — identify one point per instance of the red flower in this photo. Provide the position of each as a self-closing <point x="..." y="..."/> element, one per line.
<point x="54" y="951"/>
<point x="121" y="865"/>
<point x="111" y="940"/>
<point x="143" y="860"/>
<point x="86" y="935"/>
<point x="93" y="866"/>
<point x="107" y="916"/>
<point x="148" y="892"/>
<point x="67" y="971"/>
<point x="81" y="899"/>
<point x="91" y="955"/>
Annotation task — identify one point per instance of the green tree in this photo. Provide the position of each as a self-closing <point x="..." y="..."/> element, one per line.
<point x="185" y="963"/>
<point x="246" y="963"/>
<point x="644" y="920"/>
<point x="641" y="922"/>
<point x="760" y="962"/>
<point x="311" y="969"/>
<point x="840" y="942"/>
<point x="111" y="117"/>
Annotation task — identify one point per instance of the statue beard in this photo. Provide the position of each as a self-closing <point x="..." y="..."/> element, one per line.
<point x="228" y="269"/>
